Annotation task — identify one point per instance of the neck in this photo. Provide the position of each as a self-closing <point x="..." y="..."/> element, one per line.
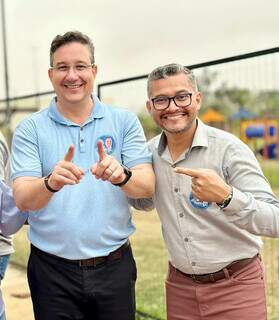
<point x="179" y="142"/>
<point x="77" y="113"/>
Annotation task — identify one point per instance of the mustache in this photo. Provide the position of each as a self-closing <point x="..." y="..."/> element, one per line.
<point x="183" y="113"/>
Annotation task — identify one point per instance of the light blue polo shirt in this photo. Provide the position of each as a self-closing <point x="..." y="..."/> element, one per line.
<point x="92" y="218"/>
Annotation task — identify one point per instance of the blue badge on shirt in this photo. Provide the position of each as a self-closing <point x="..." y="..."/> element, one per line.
<point x="108" y="143"/>
<point x="197" y="203"/>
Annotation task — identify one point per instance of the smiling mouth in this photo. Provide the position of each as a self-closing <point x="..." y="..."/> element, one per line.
<point x="174" y="116"/>
<point x="72" y="86"/>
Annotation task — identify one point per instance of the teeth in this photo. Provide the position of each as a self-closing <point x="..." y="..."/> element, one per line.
<point x="73" y="86"/>
<point x="174" y="115"/>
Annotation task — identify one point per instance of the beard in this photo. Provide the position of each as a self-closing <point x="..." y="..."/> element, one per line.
<point x="183" y="128"/>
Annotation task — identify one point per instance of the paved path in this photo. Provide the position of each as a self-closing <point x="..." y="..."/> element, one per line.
<point x="16" y="294"/>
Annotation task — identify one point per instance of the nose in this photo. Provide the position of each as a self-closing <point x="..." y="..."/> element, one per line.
<point x="172" y="105"/>
<point x="72" y="74"/>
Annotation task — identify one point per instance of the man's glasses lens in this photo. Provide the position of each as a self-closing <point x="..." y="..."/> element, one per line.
<point x="180" y="100"/>
<point x="79" y="68"/>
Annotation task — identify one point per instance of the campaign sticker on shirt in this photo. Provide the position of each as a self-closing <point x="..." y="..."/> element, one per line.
<point x="197" y="203"/>
<point x="108" y="143"/>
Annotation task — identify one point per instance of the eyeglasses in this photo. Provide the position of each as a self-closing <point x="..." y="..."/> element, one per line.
<point x="182" y="100"/>
<point x="78" y="68"/>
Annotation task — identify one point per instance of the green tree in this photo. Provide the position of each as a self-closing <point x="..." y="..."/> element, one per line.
<point x="149" y="126"/>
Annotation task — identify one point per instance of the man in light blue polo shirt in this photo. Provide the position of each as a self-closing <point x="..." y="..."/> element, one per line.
<point x="73" y="166"/>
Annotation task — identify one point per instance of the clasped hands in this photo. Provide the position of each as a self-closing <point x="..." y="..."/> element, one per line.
<point x="207" y="185"/>
<point x="66" y="172"/>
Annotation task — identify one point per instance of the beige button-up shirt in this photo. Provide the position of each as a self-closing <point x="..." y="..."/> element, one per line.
<point x="200" y="237"/>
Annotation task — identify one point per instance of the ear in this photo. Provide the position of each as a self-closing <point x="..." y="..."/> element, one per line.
<point x="50" y="73"/>
<point x="198" y="100"/>
<point x="148" y="105"/>
<point x="94" y="70"/>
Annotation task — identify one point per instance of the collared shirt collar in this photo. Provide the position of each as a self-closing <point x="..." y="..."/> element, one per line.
<point x="200" y="138"/>
<point x="98" y="112"/>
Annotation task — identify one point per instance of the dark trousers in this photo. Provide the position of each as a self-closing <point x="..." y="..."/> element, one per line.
<point x="65" y="291"/>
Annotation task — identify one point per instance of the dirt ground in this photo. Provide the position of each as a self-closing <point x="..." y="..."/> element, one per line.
<point x="16" y="294"/>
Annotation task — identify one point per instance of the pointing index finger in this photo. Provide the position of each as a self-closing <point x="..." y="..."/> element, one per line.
<point x="70" y="153"/>
<point x="101" y="151"/>
<point x="195" y="173"/>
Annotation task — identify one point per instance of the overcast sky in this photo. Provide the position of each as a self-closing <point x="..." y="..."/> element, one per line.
<point x="132" y="37"/>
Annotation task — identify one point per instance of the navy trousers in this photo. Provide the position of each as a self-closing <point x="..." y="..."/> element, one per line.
<point x="66" y="291"/>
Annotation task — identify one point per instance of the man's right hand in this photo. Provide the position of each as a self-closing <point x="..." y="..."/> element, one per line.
<point x="65" y="172"/>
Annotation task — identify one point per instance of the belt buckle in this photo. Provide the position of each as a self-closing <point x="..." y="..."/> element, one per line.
<point x="193" y="277"/>
<point x="210" y="280"/>
<point x="211" y="277"/>
<point x="91" y="262"/>
<point x="82" y="263"/>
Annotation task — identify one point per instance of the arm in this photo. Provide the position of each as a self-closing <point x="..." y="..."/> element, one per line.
<point x="11" y="218"/>
<point x="142" y="182"/>
<point x="135" y="155"/>
<point x="253" y="206"/>
<point x="30" y="193"/>
<point x="4" y="156"/>
<point x="142" y="204"/>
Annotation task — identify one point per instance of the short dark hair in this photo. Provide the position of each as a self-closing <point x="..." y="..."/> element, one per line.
<point x="169" y="70"/>
<point x="68" y="37"/>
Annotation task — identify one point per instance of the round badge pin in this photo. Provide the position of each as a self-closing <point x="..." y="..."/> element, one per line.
<point x="108" y="143"/>
<point x="197" y="203"/>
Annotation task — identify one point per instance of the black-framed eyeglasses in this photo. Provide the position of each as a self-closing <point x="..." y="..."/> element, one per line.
<point x="181" y="100"/>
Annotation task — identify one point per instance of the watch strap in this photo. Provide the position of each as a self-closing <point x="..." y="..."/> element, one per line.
<point x="49" y="188"/>
<point x="128" y="174"/>
<point x="226" y="201"/>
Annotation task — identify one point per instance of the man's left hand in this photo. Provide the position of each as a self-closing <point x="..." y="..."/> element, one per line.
<point x="107" y="168"/>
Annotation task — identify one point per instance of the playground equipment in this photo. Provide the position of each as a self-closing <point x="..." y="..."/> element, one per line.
<point x="265" y="129"/>
<point x="213" y="118"/>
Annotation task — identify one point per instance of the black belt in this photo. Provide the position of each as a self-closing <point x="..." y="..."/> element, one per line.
<point x="219" y="275"/>
<point x="90" y="262"/>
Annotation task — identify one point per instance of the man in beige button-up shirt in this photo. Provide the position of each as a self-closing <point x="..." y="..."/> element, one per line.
<point x="214" y="203"/>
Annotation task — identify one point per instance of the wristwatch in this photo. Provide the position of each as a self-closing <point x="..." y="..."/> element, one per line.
<point x="128" y="174"/>
<point x="49" y="188"/>
<point x="226" y="201"/>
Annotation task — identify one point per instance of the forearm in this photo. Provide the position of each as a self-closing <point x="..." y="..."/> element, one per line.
<point x="146" y="204"/>
<point x="142" y="182"/>
<point x="259" y="215"/>
<point x="12" y="221"/>
<point x="30" y="193"/>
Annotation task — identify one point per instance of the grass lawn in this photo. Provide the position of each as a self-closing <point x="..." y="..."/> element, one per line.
<point x="271" y="171"/>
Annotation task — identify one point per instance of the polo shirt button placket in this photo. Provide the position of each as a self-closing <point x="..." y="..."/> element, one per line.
<point x="81" y="140"/>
